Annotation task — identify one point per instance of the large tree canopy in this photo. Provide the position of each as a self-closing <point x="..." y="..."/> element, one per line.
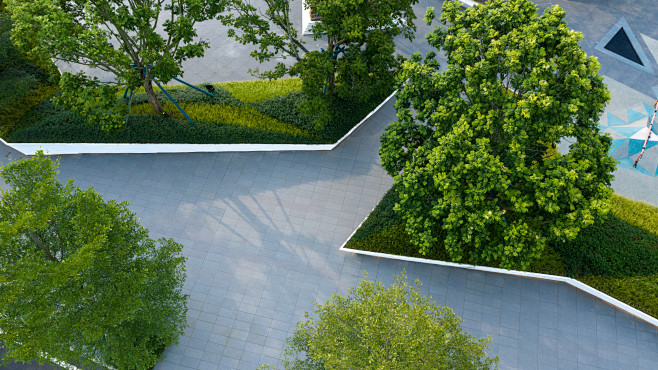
<point x="375" y="327"/>
<point x="359" y="59"/>
<point x="80" y="280"/>
<point x="473" y="149"/>
<point x="116" y="36"/>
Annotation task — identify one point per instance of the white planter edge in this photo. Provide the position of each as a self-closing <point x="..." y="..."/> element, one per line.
<point x="101" y="148"/>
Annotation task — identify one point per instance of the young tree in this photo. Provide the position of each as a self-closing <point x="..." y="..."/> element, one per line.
<point x="116" y="36"/>
<point x="80" y="280"/>
<point x="474" y="146"/>
<point x="359" y="59"/>
<point x="375" y="327"/>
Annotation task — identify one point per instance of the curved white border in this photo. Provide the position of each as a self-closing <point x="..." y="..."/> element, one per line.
<point x="534" y="275"/>
<point x="93" y="148"/>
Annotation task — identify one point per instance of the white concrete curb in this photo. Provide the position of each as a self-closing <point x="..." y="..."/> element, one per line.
<point x="93" y="148"/>
<point x="561" y="279"/>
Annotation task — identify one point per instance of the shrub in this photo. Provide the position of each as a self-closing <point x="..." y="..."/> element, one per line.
<point x="184" y="94"/>
<point x="68" y="127"/>
<point x="232" y="115"/>
<point x="9" y="56"/>
<point x="550" y="263"/>
<point x="14" y="112"/>
<point x="381" y="218"/>
<point x="15" y="84"/>
<point x="611" y="248"/>
<point x="284" y="108"/>
<point x="259" y="90"/>
<point x="640" y="292"/>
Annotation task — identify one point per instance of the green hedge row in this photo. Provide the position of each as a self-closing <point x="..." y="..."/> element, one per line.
<point x="623" y="244"/>
<point x="618" y="256"/>
<point x="274" y="120"/>
<point x="63" y="126"/>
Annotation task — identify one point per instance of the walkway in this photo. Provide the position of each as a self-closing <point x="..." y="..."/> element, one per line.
<point x="261" y="233"/>
<point x="262" y="230"/>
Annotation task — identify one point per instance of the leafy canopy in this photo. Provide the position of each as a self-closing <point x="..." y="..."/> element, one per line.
<point x="111" y="35"/>
<point x="358" y="61"/>
<point x="79" y="278"/>
<point x="474" y="147"/>
<point x="375" y="327"/>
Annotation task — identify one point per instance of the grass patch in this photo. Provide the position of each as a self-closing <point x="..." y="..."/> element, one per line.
<point x="259" y="90"/>
<point x="618" y="255"/>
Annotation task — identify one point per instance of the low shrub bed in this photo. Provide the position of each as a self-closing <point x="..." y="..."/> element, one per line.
<point x="618" y="255"/>
<point x="241" y="112"/>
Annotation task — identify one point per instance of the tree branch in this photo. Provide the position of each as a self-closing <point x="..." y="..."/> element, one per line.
<point x="36" y="239"/>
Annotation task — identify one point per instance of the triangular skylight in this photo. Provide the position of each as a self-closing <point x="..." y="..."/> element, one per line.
<point x="621" y="44"/>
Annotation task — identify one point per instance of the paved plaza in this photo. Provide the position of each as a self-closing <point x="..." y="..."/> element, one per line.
<point x="262" y="233"/>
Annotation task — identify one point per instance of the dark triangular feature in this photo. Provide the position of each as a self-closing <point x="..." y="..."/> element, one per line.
<point x="621" y="45"/>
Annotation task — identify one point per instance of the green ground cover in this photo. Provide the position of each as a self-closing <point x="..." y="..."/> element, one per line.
<point x="22" y="84"/>
<point x="618" y="255"/>
<point x="241" y="112"/>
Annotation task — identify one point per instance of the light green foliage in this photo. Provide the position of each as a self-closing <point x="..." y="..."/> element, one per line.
<point x="365" y="29"/>
<point x="110" y="35"/>
<point x="232" y="115"/>
<point x="259" y="90"/>
<point x="375" y="327"/>
<point x="81" y="279"/>
<point x="472" y="150"/>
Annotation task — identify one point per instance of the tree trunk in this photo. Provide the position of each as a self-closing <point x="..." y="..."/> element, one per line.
<point x="150" y="94"/>
<point x="331" y="78"/>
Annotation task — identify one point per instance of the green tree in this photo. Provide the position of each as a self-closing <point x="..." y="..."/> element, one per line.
<point x="359" y="60"/>
<point x="79" y="277"/>
<point x="474" y="147"/>
<point x="375" y="327"/>
<point x="116" y="36"/>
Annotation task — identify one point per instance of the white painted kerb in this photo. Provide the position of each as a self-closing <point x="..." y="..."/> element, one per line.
<point x="92" y="148"/>
<point x="561" y="279"/>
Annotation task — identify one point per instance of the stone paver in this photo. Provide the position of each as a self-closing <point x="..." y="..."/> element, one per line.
<point x="261" y="232"/>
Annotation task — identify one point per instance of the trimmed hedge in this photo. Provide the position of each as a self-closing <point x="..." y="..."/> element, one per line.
<point x="624" y="244"/>
<point x="222" y="114"/>
<point x="284" y="108"/>
<point x="16" y="84"/>
<point x="618" y="256"/>
<point x="62" y="126"/>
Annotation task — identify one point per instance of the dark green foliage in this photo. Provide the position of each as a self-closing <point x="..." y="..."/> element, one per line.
<point x="13" y="113"/>
<point x="284" y="108"/>
<point x="611" y="248"/>
<point x="9" y="56"/>
<point x="550" y="263"/>
<point x="346" y="113"/>
<point x="16" y="84"/>
<point x="189" y="95"/>
<point x="68" y="127"/>
<point x="381" y="218"/>
<point x="394" y="240"/>
<point x="623" y="248"/>
<point x="45" y="123"/>
<point x="640" y="292"/>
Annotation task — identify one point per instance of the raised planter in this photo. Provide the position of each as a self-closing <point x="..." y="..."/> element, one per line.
<point x="533" y="275"/>
<point x="98" y="148"/>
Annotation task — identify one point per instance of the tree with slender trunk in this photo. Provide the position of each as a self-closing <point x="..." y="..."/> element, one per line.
<point x="138" y="41"/>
